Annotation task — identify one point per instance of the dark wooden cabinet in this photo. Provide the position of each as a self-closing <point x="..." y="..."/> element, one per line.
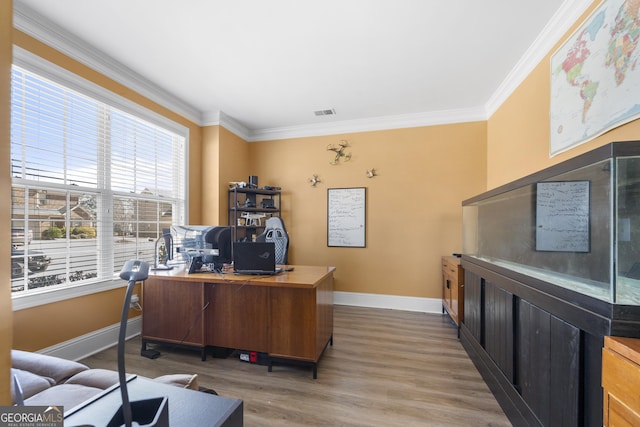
<point x="453" y="288"/>
<point x="547" y="357"/>
<point x="539" y="353"/>
<point x="473" y="303"/>
<point x="498" y="337"/>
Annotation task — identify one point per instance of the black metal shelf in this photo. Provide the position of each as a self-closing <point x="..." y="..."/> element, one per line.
<point x="238" y="197"/>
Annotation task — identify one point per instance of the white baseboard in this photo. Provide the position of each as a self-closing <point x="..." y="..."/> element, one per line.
<point x="94" y="342"/>
<point x="393" y="302"/>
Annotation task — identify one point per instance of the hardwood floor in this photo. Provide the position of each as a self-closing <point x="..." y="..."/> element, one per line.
<point x="386" y="368"/>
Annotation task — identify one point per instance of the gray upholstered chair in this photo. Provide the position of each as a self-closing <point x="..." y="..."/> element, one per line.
<point x="275" y="232"/>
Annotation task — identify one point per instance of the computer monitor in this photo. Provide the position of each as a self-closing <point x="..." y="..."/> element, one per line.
<point x="219" y="239"/>
<point x="212" y="244"/>
<point x="168" y="243"/>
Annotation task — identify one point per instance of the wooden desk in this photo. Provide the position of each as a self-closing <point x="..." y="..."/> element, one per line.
<point x="288" y="316"/>
<point x="186" y="407"/>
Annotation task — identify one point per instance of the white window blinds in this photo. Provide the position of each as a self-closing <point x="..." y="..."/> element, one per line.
<point x="92" y="185"/>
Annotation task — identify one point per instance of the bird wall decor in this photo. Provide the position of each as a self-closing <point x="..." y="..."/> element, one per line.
<point x="314" y="180"/>
<point x="340" y="153"/>
<point x="371" y="173"/>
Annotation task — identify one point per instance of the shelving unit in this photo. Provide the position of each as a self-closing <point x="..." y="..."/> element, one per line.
<point x="249" y="209"/>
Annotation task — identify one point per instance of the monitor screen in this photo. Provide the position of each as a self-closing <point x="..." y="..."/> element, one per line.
<point x="218" y="239"/>
<point x="211" y="243"/>
<point x="168" y="243"/>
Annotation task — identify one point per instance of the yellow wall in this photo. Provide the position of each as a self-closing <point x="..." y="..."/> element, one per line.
<point x="413" y="205"/>
<point x="45" y="325"/>
<point x="518" y="133"/>
<point x="225" y="158"/>
<point x="6" y="310"/>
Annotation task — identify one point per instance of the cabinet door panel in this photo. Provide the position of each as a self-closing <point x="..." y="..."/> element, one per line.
<point x="164" y="319"/>
<point x="455" y="296"/>
<point x="293" y="323"/>
<point x="548" y="361"/>
<point x="473" y="304"/>
<point x="498" y="334"/>
<point x="620" y="415"/>
<point x="244" y="329"/>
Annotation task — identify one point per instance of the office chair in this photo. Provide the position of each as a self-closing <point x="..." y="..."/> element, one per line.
<point x="275" y="232"/>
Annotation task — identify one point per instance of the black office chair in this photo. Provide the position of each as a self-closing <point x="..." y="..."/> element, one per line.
<point x="275" y="232"/>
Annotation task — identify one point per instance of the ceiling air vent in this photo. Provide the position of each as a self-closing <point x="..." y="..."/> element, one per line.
<point x="329" y="112"/>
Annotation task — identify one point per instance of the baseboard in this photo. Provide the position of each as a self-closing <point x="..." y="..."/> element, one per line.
<point x="93" y="342"/>
<point x="393" y="302"/>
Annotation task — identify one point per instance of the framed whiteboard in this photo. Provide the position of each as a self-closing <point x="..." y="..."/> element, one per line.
<point x="562" y="216"/>
<point x="346" y="217"/>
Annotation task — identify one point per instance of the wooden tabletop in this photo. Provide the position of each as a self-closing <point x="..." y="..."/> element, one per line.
<point x="306" y="276"/>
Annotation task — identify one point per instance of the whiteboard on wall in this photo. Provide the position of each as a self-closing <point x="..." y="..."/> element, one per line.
<point x="562" y="216"/>
<point x="346" y="217"/>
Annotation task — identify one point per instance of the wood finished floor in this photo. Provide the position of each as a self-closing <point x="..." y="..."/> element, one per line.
<point x="386" y="368"/>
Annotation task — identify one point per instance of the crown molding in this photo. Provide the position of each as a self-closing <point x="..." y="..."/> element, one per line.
<point x="372" y="124"/>
<point x="566" y="16"/>
<point x="32" y="23"/>
<point x="217" y="117"/>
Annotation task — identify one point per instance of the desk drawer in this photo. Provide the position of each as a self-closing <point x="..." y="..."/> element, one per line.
<point x="621" y="378"/>
<point x="451" y="270"/>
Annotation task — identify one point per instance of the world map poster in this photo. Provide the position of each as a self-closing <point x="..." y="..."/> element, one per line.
<point x="595" y="80"/>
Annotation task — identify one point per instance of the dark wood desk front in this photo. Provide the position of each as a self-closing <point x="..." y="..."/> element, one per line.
<point x="288" y="316"/>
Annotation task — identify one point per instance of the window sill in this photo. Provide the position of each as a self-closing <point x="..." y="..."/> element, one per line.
<point x="36" y="298"/>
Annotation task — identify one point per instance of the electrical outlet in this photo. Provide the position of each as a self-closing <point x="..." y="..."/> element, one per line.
<point x="134" y="301"/>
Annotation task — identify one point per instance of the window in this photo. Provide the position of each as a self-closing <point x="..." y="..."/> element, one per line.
<point x="92" y="185"/>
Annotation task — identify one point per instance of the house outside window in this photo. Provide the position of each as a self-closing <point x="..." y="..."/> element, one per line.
<point x="93" y="184"/>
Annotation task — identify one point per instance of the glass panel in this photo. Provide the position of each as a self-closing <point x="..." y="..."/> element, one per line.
<point x="54" y="133"/>
<point x="135" y="230"/>
<point x="61" y="240"/>
<point x="628" y="232"/>
<point x="502" y="230"/>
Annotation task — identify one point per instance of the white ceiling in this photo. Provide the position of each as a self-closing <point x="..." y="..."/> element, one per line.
<point x="268" y="65"/>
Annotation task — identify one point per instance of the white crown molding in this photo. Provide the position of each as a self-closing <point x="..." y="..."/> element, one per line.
<point x="217" y="117"/>
<point x="211" y="118"/>
<point x="558" y="25"/>
<point x="372" y="124"/>
<point x="30" y="22"/>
